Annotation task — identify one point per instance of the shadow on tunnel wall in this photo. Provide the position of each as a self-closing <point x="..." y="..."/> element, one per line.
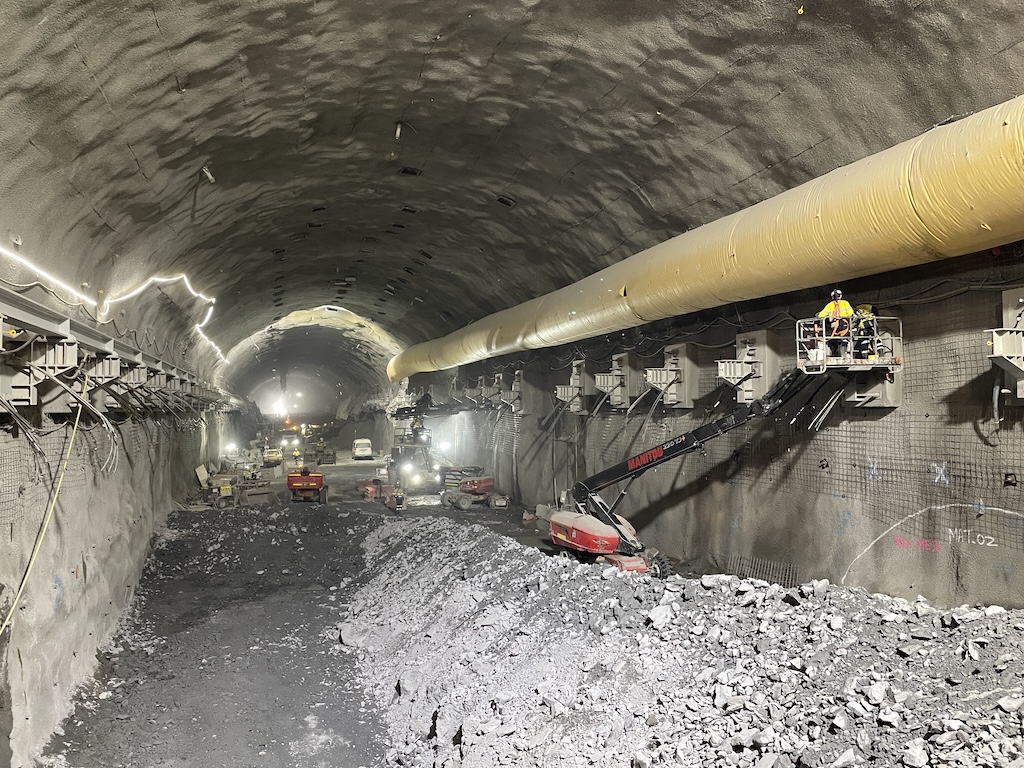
<point x="984" y="388"/>
<point x="744" y="458"/>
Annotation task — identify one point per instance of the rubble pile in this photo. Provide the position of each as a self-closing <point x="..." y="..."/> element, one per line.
<point x="483" y="653"/>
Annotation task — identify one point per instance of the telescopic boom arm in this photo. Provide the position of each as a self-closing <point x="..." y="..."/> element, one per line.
<point x="585" y="492"/>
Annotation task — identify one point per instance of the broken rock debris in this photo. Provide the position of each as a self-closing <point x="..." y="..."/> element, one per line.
<point x="481" y="653"/>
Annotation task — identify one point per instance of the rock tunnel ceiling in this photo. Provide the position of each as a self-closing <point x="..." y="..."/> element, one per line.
<point x="425" y="164"/>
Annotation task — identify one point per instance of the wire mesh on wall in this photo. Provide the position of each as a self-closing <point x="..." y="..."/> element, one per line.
<point x="936" y="467"/>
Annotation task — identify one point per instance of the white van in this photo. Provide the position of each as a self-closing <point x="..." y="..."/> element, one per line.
<point x="362" y="448"/>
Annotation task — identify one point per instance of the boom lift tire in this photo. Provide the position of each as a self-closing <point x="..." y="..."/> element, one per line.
<point x="323" y="495"/>
<point x="464" y="502"/>
<point x="660" y="567"/>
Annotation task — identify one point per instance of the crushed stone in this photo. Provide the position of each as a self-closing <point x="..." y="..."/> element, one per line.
<point x="480" y="652"/>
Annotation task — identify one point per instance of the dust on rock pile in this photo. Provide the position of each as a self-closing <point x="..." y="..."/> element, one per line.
<point x="484" y="653"/>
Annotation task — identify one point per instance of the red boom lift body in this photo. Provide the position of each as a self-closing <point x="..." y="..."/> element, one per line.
<point x="591" y="528"/>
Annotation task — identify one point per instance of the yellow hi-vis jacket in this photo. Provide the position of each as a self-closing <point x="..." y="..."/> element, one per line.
<point x="837" y="309"/>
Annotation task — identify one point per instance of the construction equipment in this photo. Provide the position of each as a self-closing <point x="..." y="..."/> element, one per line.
<point x="411" y="465"/>
<point x="272" y="457"/>
<point x="872" y="343"/>
<point x="220" y="490"/>
<point x="391" y="496"/>
<point x="362" y="448"/>
<point x="426" y="406"/>
<point x="590" y="528"/>
<point x="319" y="454"/>
<point x="466" y="486"/>
<point x="306" y="485"/>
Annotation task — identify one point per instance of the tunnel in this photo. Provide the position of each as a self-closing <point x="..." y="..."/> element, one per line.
<point x="627" y="383"/>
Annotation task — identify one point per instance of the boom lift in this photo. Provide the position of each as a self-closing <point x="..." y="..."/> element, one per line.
<point x="591" y="528"/>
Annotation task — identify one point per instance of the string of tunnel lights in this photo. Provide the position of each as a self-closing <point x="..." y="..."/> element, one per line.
<point x="104" y="310"/>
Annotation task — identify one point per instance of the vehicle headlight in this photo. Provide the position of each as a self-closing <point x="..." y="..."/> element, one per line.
<point x="437" y="478"/>
<point x="437" y="467"/>
<point x="407" y="467"/>
<point x="416" y="479"/>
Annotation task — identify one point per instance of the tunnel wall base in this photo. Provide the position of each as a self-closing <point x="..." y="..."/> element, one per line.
<point x="91" y="558"/>
<point x="6" y="711"/>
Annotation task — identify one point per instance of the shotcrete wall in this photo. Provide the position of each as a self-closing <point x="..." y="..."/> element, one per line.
<point x="919" y="499"/>
<point x="91" y="558"/>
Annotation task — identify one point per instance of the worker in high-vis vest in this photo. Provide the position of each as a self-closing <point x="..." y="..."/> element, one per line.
<point x="837" y="315"/>
<point x="865" y="327"/>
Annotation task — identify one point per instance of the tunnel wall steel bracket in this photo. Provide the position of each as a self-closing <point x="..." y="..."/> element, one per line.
<point x="40" y="344"/>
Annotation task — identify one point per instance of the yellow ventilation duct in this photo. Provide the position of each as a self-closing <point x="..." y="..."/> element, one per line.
<point x="956" y="189"/>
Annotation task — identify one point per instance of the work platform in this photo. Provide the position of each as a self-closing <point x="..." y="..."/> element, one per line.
<point x="864" y="345"/>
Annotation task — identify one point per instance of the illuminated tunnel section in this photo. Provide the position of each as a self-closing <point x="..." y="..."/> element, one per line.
<point x="312" y="362"/>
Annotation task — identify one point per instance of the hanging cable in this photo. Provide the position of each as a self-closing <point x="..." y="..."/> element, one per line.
<point x="647" y="418"/>
<point x="110" y="463"/>
<point x="28" y="429"/>
<point x="46" y="523"/>
<point x="147" y="410"/>
<point x="130" y="409"/>
<point x="819" y="420"/>
<point x="16" y="350"/>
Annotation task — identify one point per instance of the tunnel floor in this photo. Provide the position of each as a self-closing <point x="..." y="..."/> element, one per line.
<point x="316" y="636"/>
<point x="227" y="659"/>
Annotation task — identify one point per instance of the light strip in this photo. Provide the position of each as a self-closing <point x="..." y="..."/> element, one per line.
<point x="209" y="314"/>
<point x="47" y="276"/>
<point x="199" y="327"/>
<point x="206" y="338"/>
<point x="184" y="278"/>
<point x="105" y="309"/>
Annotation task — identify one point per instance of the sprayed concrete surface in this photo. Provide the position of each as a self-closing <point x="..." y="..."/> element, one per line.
<point x="341" y="635"/>
<point x="561" y="137"/>
<point x="117" y="490"/>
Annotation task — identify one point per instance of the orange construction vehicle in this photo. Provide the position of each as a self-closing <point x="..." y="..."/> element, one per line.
<point x="305" y="485"/>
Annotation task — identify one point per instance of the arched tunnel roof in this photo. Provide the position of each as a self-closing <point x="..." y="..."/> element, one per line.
<point x="425" y="164"/>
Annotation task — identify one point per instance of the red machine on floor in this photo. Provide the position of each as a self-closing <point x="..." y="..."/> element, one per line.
<point x="590" y="529"/>
<point x="305" y="485"/>
<point x="463" y="489"/>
